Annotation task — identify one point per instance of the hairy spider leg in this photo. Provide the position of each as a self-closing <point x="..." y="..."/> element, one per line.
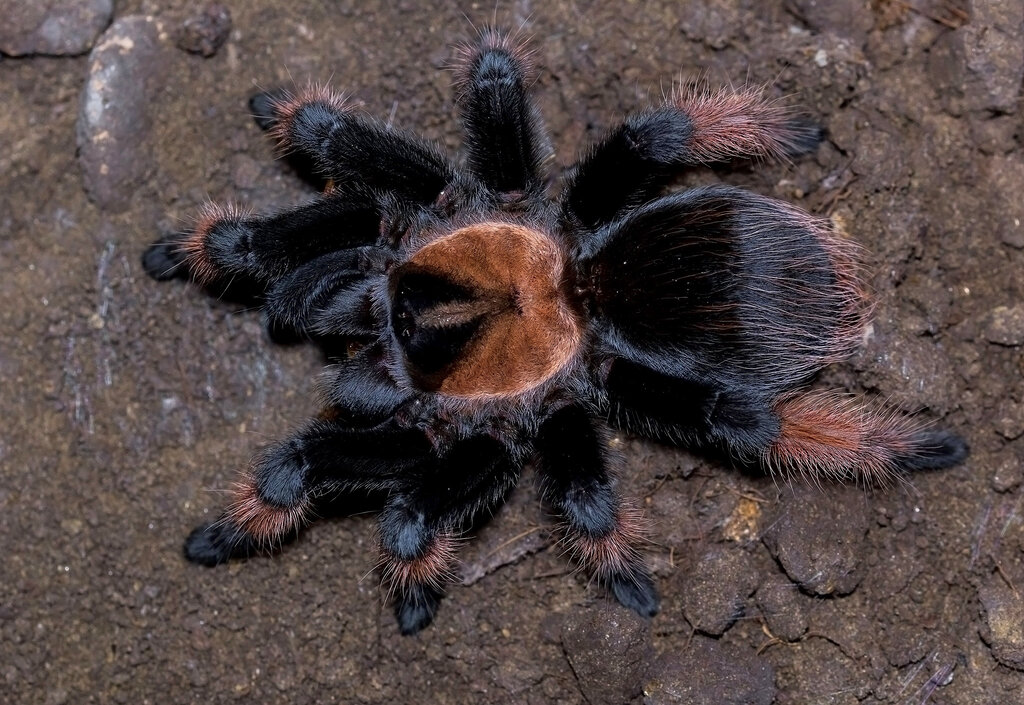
<point x="227" y="242"/>
<point x="640" y="157"/>
<point x="688" y="410"/>
<point x="421" y="523"/>
<point x="601" y="532"/>
<point x="842" y="438"/>
<point x="505" y="141"/>
<point x="814" y="435"/>
<point x="329" y="295"/>
<point x="273" y="497"/>
<point x="363" y="385"/>
<point x="346" y="147"/>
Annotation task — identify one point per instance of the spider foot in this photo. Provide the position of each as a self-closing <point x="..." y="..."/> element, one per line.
<point x="494" y="56"/>
<point x="263" y="105"/>
<point x="216" y="543"/>
<point x="934" y="450"/>
<point x="164" y="259"/>
<point x="416" y="607"/>
<point x="840" y="438"/>
<point x="806" y="136"/>
<point x="636" y="591"/>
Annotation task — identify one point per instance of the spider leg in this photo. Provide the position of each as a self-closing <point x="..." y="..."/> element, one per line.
<point x="640" y="157"/>
<point x="363" y="384"/>
<point x="601" y="531"/>
<point x="504" y="137"/>
<point x="329" y="295"/>
<point x="420" y="525"/>
<point x="227" y="243"/>
<point x="416" y="559"/>
<point x="688" y="409"/>
<point x="347" y="147"/>
<point x="837" y="437"/>
<point x="273" y="497"/>
<point x="816" y="435"/>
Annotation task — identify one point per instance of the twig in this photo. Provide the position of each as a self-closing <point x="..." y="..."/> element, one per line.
<point x="944" y="21"/>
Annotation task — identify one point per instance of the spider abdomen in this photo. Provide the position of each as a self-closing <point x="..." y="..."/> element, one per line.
<point x="730" y="285"/>
<point x="483" y="311"/>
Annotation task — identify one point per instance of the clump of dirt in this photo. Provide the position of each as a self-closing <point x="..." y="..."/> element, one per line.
<point x="127" y="404"/>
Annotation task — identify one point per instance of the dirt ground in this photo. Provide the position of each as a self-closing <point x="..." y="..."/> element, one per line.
<point x="128" y="404"/>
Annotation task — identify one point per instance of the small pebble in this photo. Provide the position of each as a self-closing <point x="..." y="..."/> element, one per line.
<point x="710" y="673"/>
<point x="819" y="538"/>
<point x="1008" y="475"/>
<point x="1004" y="325"/>
<point x="607" y="646"/>
<point x="1009" y="420"/>
<point x="716" y="590"/>
<point x="904" y="644"/>
<point x="782" y="605"/>
<point x="205" y="32"/>
<point x="1003" y="630"/>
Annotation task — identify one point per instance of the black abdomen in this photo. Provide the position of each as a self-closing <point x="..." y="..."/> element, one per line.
<point x="728" y="285"/>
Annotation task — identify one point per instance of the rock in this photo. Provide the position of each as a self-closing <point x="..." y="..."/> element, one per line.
<point x="781" y="604"/>
<point x="710" y="673"/>
<point x="1005" y="176"/>
<point x="1004" y="325"/>
<point x="57" y="27"/>
<point x="993" y="49"/>
<point x="716" y="590"/>
<point x="607" y="647"/>
<point x="744" y="522"/>
<point x="1014" y="237"/>
<point x="713" y="22"/>
<point x="818" y="538"/>
<point x="1003" y="630"/>
<point x="1009" y="419"/>
<point x="1008" y="475"/>
<point x="205" y="32"/>
<point x="827" y="16"/>
<point x="994" y="134"/>
<point x="125" y="71"/>
<point x="913" y="367"/>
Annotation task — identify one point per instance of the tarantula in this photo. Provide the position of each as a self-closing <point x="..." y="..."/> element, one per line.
<point x="485" y="324"/>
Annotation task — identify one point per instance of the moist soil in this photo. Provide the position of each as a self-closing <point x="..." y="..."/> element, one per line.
<point x="128" y="405"/>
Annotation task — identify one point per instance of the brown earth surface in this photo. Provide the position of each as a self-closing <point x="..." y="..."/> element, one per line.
<point x="128" y="404"/>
